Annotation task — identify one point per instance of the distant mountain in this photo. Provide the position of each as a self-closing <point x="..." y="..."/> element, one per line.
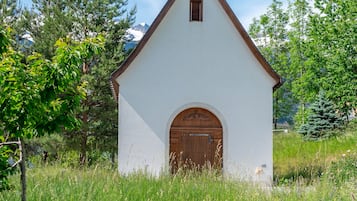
<point x="142" y="27"/>
<point x="132" y="37"/>
<point x="25" y="41"/>
<point x="135" y="34"/>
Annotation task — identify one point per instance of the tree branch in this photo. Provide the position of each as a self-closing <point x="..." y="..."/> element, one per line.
<point x="10" y="143"/>
<point x="17" y="162"/>
<point x="20" y="149"/>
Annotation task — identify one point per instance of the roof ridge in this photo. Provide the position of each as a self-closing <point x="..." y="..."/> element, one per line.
<point x="156" y="23"/>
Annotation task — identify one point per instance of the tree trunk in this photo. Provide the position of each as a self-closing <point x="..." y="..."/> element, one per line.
<point x="84" y="130"/>
<point x="276" y="113"/>
<point x="303" y="113"/>
<point x="23" y="169"/>
<point x="83" y="143"/>
<point x="83" y="152"/>
<point x="113" y="159"/>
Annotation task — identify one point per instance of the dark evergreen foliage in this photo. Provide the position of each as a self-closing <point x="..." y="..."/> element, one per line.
<point x="80" y="19"/>
<point x="323" y="119"/>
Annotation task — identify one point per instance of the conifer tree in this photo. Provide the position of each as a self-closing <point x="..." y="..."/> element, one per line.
<point x="322" y="120"/>
<point x="80" y="19"/>
<point x="8" y="11"/>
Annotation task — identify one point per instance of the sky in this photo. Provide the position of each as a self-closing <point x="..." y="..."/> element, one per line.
<point x="245" y="10"/>
<point x="147" y="10"/>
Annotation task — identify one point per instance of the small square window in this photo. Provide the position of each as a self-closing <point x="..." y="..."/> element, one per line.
<point x="196" y="10"/>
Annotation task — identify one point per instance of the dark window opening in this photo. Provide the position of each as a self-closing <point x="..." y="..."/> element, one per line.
<point x="196" y="10"/>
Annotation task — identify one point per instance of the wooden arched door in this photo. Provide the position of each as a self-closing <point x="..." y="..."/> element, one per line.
<point x="196" y="140"/>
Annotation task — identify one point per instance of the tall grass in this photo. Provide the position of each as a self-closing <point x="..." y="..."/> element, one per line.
<point x="325" y="170"/>
<point x="56" y="183"/>
<point x="296" y="159"/>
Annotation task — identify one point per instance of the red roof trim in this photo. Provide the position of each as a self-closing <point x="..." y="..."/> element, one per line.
<point x="157" y="21"/>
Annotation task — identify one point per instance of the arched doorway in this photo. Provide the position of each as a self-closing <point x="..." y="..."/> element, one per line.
<point x="196" y="140"/>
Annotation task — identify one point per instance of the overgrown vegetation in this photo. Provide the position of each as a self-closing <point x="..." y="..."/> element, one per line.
<point x="79" y="20"/>
<point x="312" y="50"/>
<point x="52" y="85"/>
<point x="304" y="170"/>
<point x="43" y="25"/>
<point x="38" y="96"/>
<point x="100" y="183"/>
<point x="306" y="161"/>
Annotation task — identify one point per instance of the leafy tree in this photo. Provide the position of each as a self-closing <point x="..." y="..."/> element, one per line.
<point x="271" y="30"/>
<point x="80" y="19"/>
<point x="5" y="167"/>
<point x="332" y="39"/>
<point x="323" y="118"/>
<point x="38" y="96"/>
<point x="303" y="85"/>
<point x="4" y="41"/>
<point x="318" y="53"/>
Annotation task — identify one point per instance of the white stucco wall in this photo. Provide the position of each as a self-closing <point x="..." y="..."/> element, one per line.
<point x="205" y="64"/>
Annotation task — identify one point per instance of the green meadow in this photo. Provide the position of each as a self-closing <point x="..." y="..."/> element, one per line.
<point x="320" y="170"/>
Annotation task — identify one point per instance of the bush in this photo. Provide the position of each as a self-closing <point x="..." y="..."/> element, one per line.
<point x="5" y="167"/>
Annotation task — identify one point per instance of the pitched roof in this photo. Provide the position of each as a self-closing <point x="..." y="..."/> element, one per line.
<point x="156" y="23"/>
